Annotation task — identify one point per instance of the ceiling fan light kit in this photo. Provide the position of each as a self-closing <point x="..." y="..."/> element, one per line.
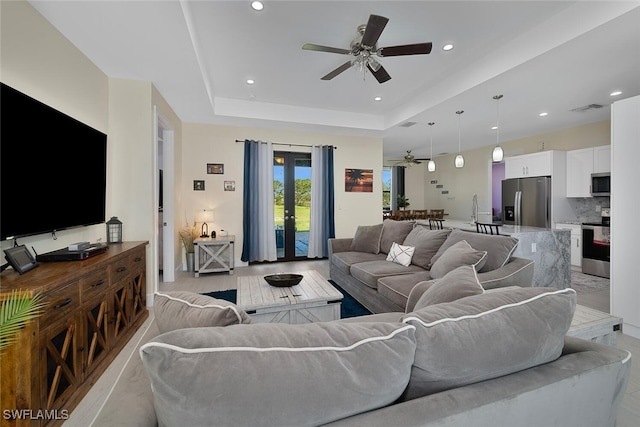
<point x="498" y="153"/>
<point x="459" y="160"/>
<point x="364" y="49"/>
<point x="431" y="165"/>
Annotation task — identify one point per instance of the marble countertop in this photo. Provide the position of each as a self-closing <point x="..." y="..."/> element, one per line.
<point x="506" y="230"/>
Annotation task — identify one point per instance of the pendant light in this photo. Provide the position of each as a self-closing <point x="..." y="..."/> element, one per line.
<point x="431" y="165"/>
<point x="498" y="153"/>
<point x="459" y="160"/>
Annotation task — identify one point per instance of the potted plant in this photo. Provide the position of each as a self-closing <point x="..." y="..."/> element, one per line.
<point x="402" y="201"/>
<point x="188" y="235"/>
<point x="16" y="311"/>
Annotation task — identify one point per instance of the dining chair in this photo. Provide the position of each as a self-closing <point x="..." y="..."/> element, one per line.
<point x="436" y="213"/>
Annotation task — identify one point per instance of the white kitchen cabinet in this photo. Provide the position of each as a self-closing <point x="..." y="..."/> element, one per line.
<point x="581" y="164"/>
<point x="602" y="159"/>
<point x="529" y="165"/>
<point x="576" y="244"/>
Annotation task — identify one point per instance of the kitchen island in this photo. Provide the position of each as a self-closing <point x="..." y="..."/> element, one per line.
<point x="549" y="248"/>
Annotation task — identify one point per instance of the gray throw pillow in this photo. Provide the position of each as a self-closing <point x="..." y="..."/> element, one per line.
<point x="286" y="375"/>
<point x="393" y="231"/>
<point x="458" y="283"/>
<point x="499" y="248"/>
<point x="183" y="309"/>
<point x="367" y="239"/>
<point x="427" y="242"/>
<point x="487" y="336"/>
<point x="457" y="255"/>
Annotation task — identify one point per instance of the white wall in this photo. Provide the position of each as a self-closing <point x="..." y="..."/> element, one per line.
<point x="625" y="201"/>
<point x="204" y="144"/>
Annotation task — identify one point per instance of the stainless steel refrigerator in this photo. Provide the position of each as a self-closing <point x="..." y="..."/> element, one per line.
<point x="527" y="201"/>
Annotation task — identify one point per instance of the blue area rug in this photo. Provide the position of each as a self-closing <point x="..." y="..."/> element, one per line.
<point x="350" y="306"/>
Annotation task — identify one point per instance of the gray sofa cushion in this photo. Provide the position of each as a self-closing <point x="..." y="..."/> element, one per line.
<point x="287" y="375"/>
<point x="393" y="231"/>
<point x="427" y="242"/>
<point x="499" y="248"/>
<point x="458" y="283"/>
<point x="398" y="288"/>
<point x="344" y="260"/>
<point x="370" y="271"/>
<point x="183" y="309"/>
<point x="487" y="336"/>
<point x="458" y="254"/>
<point x="367" y="239"/>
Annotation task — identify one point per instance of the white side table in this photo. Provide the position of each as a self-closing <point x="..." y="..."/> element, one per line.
<point x="214" y="254"/>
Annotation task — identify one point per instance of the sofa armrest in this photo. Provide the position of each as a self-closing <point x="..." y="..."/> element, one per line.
<point x="416" y="292"/>
<point x="339" y="245"/>
<point x="517" y="272"/>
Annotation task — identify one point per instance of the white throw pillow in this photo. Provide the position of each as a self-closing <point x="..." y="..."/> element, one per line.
<point x="401" y="254"/>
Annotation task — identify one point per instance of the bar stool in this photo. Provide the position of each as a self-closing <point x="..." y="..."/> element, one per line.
<point x="436" y="213"/>
<point x="436" y="224"/>
<point x="485" y="228"/>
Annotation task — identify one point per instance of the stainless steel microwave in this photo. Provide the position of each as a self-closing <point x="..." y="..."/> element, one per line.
<point x="601" y="184"/>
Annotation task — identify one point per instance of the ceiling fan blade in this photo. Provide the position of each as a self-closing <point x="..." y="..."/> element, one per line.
<point x="381" y="75"/>
<point x="318" y="48"/>
<point x="407" y="49"/>
<point x="337" y="71"/>
<point x="373" y="30"/>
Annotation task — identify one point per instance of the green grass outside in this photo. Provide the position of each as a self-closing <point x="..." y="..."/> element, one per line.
<point x="303" y="217"/>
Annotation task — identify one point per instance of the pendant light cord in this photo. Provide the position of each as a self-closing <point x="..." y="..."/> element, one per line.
<point x="459" y="113"/>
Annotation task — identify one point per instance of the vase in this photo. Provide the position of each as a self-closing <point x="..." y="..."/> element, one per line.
<point x="191" y="261"/>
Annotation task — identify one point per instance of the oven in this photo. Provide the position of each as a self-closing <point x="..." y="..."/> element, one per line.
<point x="596" y="249"/>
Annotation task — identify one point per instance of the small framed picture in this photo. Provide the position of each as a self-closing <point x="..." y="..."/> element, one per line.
<point x="198" y="185"/>
<point x="215" y="168"/>
<point x="229" y="186"/>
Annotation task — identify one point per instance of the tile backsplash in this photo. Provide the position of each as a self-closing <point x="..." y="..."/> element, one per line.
<point x="585" y="208"/>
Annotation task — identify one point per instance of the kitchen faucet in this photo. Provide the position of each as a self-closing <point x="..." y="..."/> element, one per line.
<point x="474" y="209"/>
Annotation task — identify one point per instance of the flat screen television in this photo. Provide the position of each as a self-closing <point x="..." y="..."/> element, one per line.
<point x="53" y="168"/>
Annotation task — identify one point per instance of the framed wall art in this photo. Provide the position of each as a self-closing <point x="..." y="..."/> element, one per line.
<point x="215" y="168"/>
<point x="229" y="186"/>
<point x="198" y="185"/>
<point x="358" y="180"/>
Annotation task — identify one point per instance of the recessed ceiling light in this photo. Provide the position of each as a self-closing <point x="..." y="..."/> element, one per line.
<point x="543" y="114"/>
<point x="257" y="5"/>
<point x="447" y="46"/>
<point x="250" y="81"/>
<point x="377" y="98"/>
<point x="616" y="93"/>
<point x="494" y="127"/>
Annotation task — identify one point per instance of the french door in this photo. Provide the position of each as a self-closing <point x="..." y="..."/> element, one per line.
<point x="292" y="203"/>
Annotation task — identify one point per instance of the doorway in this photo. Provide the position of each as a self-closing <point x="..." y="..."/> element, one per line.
<point x="292" y="204"/>
<point x="163" y="200"/>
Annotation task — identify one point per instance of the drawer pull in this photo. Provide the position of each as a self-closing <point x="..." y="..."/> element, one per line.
<point x="121" y="269"/>
<point x="100" y="283"/>
<point x="138" y="259"/>
<point x="63" y="303"/>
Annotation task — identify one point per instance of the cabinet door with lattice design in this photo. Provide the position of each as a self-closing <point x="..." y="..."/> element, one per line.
<point x="95" y="324"/>
<point x="120" y="313"/>
<point x="60" y="367"/>
<point x="138" y="295"/>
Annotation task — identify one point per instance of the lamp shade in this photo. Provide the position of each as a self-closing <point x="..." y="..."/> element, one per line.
<point x="114" y="230"/>
<point x="204" y="216"/>
<point x="459" y="161"/>
<point x="498" y="154"/>
<point x="431" y="166"/>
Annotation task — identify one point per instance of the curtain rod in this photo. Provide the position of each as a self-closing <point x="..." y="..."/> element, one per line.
<point x="290" y="145"/>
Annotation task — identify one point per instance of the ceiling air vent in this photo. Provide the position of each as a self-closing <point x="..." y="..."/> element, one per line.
<point x="407" y="124"/>
<point x="587" y="108"/>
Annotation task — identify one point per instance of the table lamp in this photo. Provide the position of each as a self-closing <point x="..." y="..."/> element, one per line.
<point x="204" y="217"/>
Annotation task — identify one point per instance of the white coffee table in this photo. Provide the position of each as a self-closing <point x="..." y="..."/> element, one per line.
<point x="312" y="300"/>
<point x="594" y="325"/>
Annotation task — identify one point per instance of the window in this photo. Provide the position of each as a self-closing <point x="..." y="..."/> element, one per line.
<point x="386" y="187"/>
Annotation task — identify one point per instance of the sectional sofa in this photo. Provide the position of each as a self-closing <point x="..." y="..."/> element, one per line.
<point x="459" y="356"/>
<point x="367" y="267"/>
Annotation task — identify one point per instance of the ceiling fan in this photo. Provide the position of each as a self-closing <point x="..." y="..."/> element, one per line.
<point x="364" y="49"/>
<point x="409" y="160"/>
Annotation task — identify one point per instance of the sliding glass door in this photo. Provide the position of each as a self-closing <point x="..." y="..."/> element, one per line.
<point x="292" y="203"/>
